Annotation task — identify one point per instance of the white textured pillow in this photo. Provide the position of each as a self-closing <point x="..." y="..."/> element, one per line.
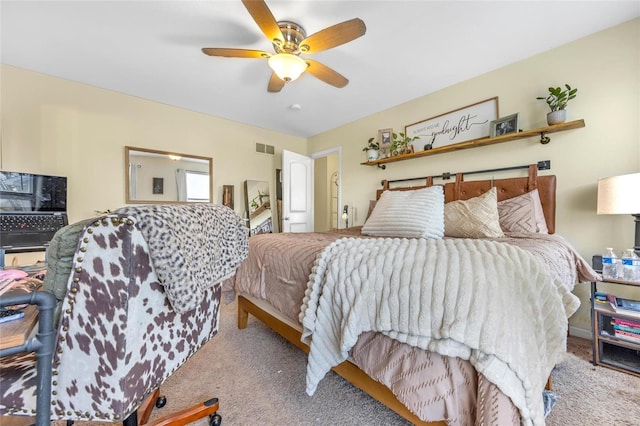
<point x="473" y="218"/>
<point x="523" y="214"/>
<point x="413" y="214"/>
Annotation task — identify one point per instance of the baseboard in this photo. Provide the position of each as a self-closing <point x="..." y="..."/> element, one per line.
<point x="580" y="332"/>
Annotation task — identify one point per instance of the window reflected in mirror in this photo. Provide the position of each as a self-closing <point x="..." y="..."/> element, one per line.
<point x="153" y="176"/>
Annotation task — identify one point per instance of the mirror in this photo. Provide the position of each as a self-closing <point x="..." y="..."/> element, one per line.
<point x="153" y="176"/>
<point x="258" y="206"/>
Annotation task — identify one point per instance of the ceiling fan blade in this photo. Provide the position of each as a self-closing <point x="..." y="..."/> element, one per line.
<point x="275" y="84"/>
<point x="236" y="53"/>
<point x="333" y="36"/>
<point x="260" y="13"/>
<point x="326" y="74"/>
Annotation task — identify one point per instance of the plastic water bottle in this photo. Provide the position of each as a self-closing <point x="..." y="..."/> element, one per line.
<point x="609" y="264"/>
<point x="636" y="268"/>
<point x="630" y="266"/>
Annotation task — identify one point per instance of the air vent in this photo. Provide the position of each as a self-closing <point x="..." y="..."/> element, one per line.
<point x="265" y="149"/>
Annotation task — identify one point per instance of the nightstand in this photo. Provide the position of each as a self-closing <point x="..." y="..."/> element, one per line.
<point x="610" y="350"/>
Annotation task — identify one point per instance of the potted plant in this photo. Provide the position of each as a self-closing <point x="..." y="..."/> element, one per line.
<point x="371" y="149"/>
<point x="557" y="100"/>
<point x="402" y="144"/>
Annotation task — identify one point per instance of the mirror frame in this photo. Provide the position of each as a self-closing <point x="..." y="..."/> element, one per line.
<point x="127" y="151"/>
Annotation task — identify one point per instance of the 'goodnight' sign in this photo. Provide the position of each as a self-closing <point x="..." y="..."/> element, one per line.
<point x="461" y="125"/>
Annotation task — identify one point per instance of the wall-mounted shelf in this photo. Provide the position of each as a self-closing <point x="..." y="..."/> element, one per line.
<point x="542" y="132"/>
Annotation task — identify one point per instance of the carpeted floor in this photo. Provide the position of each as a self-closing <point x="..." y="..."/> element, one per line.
<point x="592" y="395"/>
<point x="259" y="379"/>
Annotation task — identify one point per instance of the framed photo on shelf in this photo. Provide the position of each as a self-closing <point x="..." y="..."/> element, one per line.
<point x="504" y="125"/>
<point x="385" y="137"/>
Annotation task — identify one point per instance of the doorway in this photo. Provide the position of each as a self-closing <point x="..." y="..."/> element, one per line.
<point x="327" y="190"/>
<point x="323" y="204"/>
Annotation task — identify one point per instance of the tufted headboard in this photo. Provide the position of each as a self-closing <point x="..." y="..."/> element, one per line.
<point x="507" y="188"/>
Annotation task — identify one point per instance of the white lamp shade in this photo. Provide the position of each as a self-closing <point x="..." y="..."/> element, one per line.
<point x="619" y="194"/>
<point x="286" y="66"/>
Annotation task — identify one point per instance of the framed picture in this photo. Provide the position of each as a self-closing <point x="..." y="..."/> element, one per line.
<point x="385" y="136"/>
<point x="227" y="196"/>
<point x="158" y="185"/>
<point x="504" y="125"/>
<point x="461" y="125"/>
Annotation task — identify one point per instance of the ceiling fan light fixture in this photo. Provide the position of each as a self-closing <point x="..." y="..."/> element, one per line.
<point x="286" y="66"/>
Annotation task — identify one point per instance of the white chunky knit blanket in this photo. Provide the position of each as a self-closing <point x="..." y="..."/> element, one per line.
<point x="490" y="303"/>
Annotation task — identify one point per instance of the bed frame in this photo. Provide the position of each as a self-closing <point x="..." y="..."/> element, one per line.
<point x="458" y="190"/>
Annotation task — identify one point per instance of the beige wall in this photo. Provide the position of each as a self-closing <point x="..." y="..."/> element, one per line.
<point x="605" y="67"/>
<point x="54" y="126"/>
<point x="60" y="127"/>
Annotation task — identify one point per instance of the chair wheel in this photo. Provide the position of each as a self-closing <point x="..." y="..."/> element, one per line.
<point x="161" y="401"/>
<point x="215" y="419"/>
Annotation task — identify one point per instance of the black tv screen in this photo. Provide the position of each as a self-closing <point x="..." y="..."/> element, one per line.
<point x="26" y="192"/>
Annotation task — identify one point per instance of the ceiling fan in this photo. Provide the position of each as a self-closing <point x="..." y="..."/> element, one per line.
<point x="289" y="41"/>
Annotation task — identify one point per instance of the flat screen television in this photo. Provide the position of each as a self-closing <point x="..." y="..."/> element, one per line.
<point x="26" y="192"/>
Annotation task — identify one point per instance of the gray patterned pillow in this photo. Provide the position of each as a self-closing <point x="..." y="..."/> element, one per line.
<point x="473" y="218"/>
<point x="412" y="214"/>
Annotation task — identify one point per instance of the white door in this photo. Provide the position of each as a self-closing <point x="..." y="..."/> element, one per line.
<point x="297" y="192"/>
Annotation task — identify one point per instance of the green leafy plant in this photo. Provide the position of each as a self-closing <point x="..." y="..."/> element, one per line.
<point x="372" y="144"/>
<point x="558" y="97"/>
<point x="401" y="143"/>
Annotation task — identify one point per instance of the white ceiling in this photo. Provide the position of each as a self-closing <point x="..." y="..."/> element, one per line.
<point x="151" y="49"/>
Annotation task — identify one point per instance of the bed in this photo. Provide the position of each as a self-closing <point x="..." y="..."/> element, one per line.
<point x="435" y="379"/>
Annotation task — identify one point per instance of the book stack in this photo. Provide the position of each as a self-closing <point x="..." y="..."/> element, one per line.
<point x="626" y="329"/>
<point x="624" y="306"/>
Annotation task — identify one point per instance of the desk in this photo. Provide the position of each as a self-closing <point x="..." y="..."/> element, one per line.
<point x="42" y="343"/>
<point x="15" y="333"/>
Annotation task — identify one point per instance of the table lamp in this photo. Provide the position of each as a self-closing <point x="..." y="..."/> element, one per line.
<point x="345" y="215"/>
<point x="621" y="195"/>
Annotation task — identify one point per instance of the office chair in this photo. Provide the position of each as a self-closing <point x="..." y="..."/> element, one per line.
<point x="119" y="335"/>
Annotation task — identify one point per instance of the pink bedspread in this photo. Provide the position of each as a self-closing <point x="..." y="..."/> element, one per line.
<point x="432" y="386"/>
